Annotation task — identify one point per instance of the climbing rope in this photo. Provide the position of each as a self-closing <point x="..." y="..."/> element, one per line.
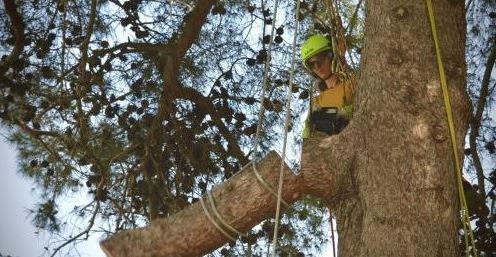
<point x="265" y="83"/>
<point x="217" y="215"/>
<point x="332" y="236"/>
<point x="467" y="229"/>
<point x="255" y="148"/>
<point x="260" y="123"/>
<point x="338" y="39"/>
<point x="267" y="185"/>
<point x="215" y="223"/>
<point x="261" y="111"/>
<point x="286" y="130"/>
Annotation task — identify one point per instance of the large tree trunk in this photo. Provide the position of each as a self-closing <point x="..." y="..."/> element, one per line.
<point x="388" y="177"/>
<point x="406" y="202"/>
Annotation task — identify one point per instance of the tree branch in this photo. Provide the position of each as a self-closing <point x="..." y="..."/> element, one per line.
<point x="82" y="120"/>
<point x="82" y="233"/>
<point x="328" y="164"/>
<point x="18" y="26"/>
<point x="477" y="120"/>
<point x="191" y="27"/>
<point x="180" y="43"/>
<point x="243" y="202"/>
<point x="190" y="233"/>
<point x="205" y="103"/>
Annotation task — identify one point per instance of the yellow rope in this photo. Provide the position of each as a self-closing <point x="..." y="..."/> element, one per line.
<point x="468" y="235"/>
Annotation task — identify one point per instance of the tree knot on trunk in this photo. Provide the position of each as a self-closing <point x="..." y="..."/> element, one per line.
<point x="439" y="133"/>
<point x="400" y="12"/>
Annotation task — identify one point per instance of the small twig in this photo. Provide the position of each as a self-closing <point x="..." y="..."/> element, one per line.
<point x="86" y="231"/>
<point x="477" y="119"/>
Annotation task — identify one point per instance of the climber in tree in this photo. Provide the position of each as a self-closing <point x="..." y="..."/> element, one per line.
<point x="332" y="109"/>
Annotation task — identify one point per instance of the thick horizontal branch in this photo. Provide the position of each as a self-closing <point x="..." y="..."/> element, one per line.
<point x="242" y="201"/>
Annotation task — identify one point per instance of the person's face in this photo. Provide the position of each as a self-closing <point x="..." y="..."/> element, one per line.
<point x="320" y="64"/>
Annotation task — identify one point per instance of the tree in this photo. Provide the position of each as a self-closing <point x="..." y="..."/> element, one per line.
<point x="388" y="176"/>
<point x="144" y="105"/>
<point x="150" y="120"/>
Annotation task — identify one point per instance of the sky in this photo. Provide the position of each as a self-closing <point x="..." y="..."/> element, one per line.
<point x="15" y="197"/>
<point x="18" y="236"/>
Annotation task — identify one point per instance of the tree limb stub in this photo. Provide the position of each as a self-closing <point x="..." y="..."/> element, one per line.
<point x="242" y="201"/>
<point x="328" y="164"/>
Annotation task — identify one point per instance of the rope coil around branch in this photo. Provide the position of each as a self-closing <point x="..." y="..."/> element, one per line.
<point x="214" y="209"/>
<point x="212" y="220"/>
<point x="219" y="219"/>
<point x="267" y="185"/>
<point x="218" y="216"/>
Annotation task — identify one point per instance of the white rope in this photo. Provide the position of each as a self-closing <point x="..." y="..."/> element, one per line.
<point x="286" y="129"/>
<point x="262" y="107"/>
<point x="267" y="185"/>
<point x="205" y="210"/>
<point x="219" y="217"/>
<point x="332" y="236"/>
<point x="265" y="83"/>
<point x="214" y="209"/>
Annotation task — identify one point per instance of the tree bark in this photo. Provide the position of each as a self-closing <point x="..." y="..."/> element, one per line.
<point x="406" y="203"/>
<point x="388" y="176"/>
<point x="242" y="202"/>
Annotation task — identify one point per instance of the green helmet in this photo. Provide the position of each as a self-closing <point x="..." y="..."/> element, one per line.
<point x="314" y="45"/>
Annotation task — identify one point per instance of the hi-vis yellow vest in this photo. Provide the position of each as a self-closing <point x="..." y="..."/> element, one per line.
<point x="340" y="97"/>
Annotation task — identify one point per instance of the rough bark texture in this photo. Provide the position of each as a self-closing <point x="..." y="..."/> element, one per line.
<point x="388" y="177"/>
<point x="406" y="202"/>
<point x="242" y="202"/>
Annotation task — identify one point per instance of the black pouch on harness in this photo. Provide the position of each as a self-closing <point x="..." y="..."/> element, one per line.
<point x="328" y="121"/>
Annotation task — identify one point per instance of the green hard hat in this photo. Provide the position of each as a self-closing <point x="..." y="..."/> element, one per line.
<point x="314" y="45"/>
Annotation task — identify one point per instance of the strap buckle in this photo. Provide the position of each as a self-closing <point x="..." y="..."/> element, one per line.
<point x="330" y="110"/>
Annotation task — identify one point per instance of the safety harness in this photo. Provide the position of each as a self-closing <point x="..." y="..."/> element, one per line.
<point x="328" y="120"/>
